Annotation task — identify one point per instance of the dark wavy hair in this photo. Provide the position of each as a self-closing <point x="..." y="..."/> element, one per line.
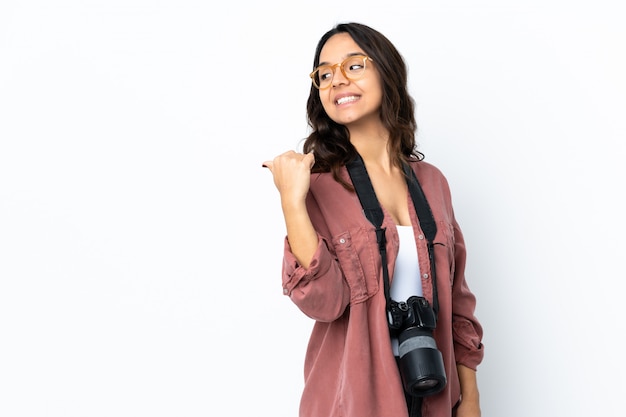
<point x="330" y="141"/>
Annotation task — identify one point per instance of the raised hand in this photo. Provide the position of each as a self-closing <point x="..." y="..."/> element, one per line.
<point x="292" y="175"/>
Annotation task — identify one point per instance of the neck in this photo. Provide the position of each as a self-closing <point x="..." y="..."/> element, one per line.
<point x="372" y="146"/>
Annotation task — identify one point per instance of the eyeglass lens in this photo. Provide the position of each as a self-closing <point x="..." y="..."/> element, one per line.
<point x="352" y="68"/>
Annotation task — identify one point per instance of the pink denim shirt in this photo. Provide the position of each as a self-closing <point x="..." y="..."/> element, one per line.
<point x="350" y="369"/>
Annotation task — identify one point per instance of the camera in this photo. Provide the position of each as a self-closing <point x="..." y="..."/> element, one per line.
<point x="420" y="362"/>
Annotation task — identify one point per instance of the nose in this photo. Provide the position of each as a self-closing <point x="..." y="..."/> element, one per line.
<point x="338" y="77"/>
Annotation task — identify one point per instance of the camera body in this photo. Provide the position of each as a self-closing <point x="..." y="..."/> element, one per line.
<point x="420" y="363"/>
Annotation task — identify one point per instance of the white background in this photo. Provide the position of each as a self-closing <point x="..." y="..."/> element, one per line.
<point x="141" y="241"/>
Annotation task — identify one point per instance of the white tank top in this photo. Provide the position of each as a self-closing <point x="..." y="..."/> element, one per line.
<point x="406" y="275"/>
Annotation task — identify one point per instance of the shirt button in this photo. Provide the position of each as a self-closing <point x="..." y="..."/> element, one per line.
<point x="425" y="276"/>
<point x="421" y="237"/>
<point x="285" y="291"/>
<point x="342" y="241"/>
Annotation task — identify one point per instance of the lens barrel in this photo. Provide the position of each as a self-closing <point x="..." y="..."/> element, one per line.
<point x="421" y="363"/>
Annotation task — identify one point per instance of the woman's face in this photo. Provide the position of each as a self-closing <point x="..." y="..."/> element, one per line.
<point x="350" y="102"/>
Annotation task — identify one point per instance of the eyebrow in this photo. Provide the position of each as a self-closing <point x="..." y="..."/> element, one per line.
<point x="347" y="56"/>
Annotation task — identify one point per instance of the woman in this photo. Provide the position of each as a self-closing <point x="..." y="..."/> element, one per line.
<point x="359" y="108"/>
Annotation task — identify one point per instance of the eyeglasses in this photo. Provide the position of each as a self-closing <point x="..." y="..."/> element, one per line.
<point x="352" y="68"/>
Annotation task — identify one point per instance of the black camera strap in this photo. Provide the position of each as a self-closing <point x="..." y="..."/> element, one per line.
<point x="374" y="213"/>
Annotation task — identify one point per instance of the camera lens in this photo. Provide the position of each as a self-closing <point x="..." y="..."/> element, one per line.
<point x="421" y="364"/>
<point x="426" y="384"/>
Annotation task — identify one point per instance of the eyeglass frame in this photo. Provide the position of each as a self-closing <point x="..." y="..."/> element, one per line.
<point x="343" y="72"/>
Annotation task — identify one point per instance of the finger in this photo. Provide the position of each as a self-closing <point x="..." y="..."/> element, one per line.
<point x="310" y="158"/>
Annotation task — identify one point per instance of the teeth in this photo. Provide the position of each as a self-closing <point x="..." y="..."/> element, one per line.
<point x="347" y="99"/>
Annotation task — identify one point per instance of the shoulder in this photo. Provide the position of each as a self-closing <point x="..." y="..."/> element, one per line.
<point x="325" y="180"/>
<point x="324" y="186"/>
<point x="322" y="180"/>
<point x="426" y="171"/>
<point x="433" y="182"/>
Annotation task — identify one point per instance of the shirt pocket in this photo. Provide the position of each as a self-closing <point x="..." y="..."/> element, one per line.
<point x="444" y="249"/>
<point x="359" y="263"/>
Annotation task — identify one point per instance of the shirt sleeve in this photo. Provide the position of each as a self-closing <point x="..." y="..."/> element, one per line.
<point x="467" y="331"/>
<point x="320" y="291"/>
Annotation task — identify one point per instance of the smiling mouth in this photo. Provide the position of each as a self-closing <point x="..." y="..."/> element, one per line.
<point x="348" y="99"/>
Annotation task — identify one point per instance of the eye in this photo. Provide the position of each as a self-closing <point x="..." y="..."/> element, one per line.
<point x="324" y="73"/>
<point x="354" y="65"/>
